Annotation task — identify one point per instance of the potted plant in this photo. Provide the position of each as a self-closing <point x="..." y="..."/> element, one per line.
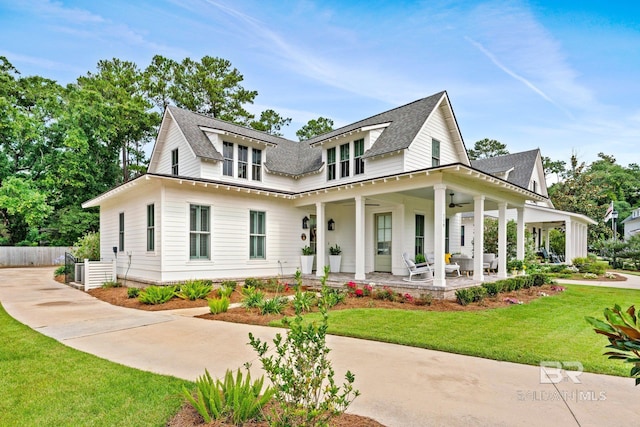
<point x="515" y="265"/>
<point x="335" y="258"/>
<point x="306" y="260"/>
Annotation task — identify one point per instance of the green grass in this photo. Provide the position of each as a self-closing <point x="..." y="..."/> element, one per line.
<point x="549" y="328"/>
<point x="45" y="383"/>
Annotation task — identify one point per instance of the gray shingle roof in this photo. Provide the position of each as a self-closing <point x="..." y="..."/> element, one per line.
<point x="523" y="164"/>
<point x="299" y="158"/>
<point x="405" y="123"/>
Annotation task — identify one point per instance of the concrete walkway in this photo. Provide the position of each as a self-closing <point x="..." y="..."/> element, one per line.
<point x="401" y="386"/>
<point x="632" y="282"/>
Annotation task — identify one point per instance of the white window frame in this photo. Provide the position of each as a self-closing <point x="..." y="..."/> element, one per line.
<point x="196" y="231"/>
<point x="257" y="234"/>
<point x="151" y="227"/>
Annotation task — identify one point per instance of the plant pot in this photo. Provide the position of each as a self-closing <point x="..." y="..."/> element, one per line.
<point x="306" y="264"/>
<point x="334" y="263"/>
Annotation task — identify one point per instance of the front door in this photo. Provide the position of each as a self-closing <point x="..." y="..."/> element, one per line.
<point x="383" y="242"/>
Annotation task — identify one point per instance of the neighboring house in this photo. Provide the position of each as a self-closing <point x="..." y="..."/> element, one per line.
<point x="224" y="201"/>
<point x="632" y="224"/>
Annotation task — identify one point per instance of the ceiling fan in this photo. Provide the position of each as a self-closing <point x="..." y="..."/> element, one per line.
<point x="454" y="205"/>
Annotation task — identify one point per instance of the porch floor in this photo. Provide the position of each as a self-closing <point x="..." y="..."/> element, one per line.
<point x="398" y="284"/>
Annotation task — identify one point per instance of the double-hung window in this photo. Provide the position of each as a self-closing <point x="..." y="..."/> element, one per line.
<point x="358" y="151"/>
<point x="331" y="164"/>
<point x="121" y="232"/>
<point x="151" y="228"/>
<point x="462" y="235"/>
<point x="243" y="159"/>
<point x="257" y="235"/>
<point x="344" y="160"/>
<point x="435" y="152"/>
<point x="227" y="153"/>
<point x="199" y="232"/>
<point x="419" y="247"/>
<point x="174" y="162"/>
<point x="256" y="164"/>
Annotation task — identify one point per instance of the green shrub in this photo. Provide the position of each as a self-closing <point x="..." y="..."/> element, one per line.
<point x="273" y="305"/>
<point x="225" y="290"/>
<point x="156" y="294"/>
<point x="228" y="284"/>
<point x="63" y="269"/>
<point x="581" y="263"/>
<point x="557" y="268"/>
<point x="468" y="295"/>
<point x="331" y="297"/>
<point x="384" y="294"/>
<point x="303" y="301"/>
<point x="133" y="292"/>
<point x="234" y="400"/>
<point x="254" y="283"/>
<point x="87" y="247"/>
<point x="622" y="328"/>
<point x="194" y="289"/>
<point x="301" y="373"/>
<point x="423" y="299"/>
<point x="598" y="267"/>
<point x="274" y="285"/>
<point x="493" y="288"/>
<point x="218" y="305"/>
<point x="539" y="279"/>
<point x="111" y="284"/>
<point x="251" y="297"/>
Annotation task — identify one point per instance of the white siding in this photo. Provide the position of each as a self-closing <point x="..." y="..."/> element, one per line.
<point x="383" y="166"/>
<point x="134" y="206"/>
<point x="418" y="155"/>
<point x="188" y="164"/>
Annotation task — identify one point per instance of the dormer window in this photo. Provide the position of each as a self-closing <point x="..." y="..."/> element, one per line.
<point x="227" y="153"/>
<point x="174" y="162"/>
<point x="331" y="164"/>
<point x="344" y="160"/>
<point x="358" y="151"/>
<point x="243" y="159"/>
<point x="256" y="164"/>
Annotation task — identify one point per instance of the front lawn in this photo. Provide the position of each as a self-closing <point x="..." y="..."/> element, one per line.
<point x="44" y="383"/>
<point x="547" y="329"/>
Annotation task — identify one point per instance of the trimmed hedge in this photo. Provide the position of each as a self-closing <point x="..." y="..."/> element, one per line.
<point x="467" y="295"/>
<point x="506" y="285"/>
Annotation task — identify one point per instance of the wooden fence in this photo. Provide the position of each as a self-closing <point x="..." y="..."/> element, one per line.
<point x="32" y="256"/>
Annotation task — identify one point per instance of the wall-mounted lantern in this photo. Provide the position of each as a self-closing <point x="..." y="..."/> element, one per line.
<point x="331" y="225"/>
<point x="115" y="250"/>
<point x="305" y="223"/>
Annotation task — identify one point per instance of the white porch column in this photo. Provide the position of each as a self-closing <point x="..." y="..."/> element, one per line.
<point x="478" y="239"/>
<point x="359" y="237"/>
<point x="547" y="234"/>
<point x="321" y="246"/>
<point x="568" y="241"/>
<point x="439" y="221"/>
<point x="520" y="234"/>
<point x="502" y="240"/>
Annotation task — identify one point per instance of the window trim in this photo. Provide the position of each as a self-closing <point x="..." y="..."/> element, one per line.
<point x="417" y="236"/>
<point x="345" y="158"/>
<point x="435" y="152"/>
<point x="256" y="164"/>
<point x="151" y="227"/>
<point x="358" y="152"/>
<point x="331" y="164"/>
<point x="121" y="232"/>
<point x="257" y="219"/>
<point x="174" y="162"/>
<point x="227" y="163"/>
<point x="243" y="162"/>
<point x="196" y="229"/>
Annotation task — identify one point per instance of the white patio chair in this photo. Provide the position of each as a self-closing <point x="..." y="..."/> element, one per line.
<point x="415" y="271"/>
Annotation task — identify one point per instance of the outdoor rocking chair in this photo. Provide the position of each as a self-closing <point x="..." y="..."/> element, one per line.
<point x="415" y="271"/>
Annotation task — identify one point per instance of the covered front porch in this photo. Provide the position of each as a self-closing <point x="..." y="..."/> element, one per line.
<point x="376" y="221"/>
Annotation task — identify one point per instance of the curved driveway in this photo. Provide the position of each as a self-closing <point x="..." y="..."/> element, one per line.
<point x="401" y="386"/>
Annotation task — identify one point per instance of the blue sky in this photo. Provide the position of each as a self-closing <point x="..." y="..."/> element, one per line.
<point x="562" y="76"/>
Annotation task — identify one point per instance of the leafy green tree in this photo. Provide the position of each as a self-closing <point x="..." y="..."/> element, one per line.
<point x="486" y="148"/>
<point x="88" y="247"/>
<point x="270" y="122"/>
<point x="491" y="237"/>
<point x="314" y="127"/>
<point x="158" y="80"/>
<point x="23" y="209"/>
<point x="212" y="87"/>
<point x="556" y="167"/>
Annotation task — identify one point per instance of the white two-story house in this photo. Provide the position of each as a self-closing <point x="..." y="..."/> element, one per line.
<point x="224" y="201"/>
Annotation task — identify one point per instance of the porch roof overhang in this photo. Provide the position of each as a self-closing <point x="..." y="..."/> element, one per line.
<point x="457" y="177"/>
<point x="543" y="214"/>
